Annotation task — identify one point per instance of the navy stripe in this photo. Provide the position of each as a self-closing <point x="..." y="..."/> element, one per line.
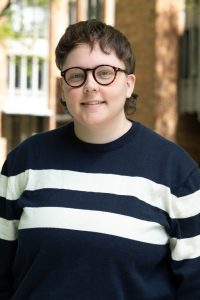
<point x="186" y="228"/>
<point x="93" y="254"/>
<point x="9" y="209"/>
<point x="125" y="205"/>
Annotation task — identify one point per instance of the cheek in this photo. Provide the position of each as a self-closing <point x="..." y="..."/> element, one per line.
<point x="121" y="89"/>
<point x="71" y="95"/>
<point x="119" y="92"/>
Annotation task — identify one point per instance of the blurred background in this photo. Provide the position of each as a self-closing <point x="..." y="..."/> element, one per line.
<point x="165" y="35"/>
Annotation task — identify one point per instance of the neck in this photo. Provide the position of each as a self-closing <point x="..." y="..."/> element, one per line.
<point x="101" y="134"/>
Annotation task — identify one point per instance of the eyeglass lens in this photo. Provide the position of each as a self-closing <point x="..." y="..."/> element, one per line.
<point x="103" y="75"/>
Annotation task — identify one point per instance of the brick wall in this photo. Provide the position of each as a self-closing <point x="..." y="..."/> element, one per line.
<point x="154" y="29"/>
<point x="136" y="19"/>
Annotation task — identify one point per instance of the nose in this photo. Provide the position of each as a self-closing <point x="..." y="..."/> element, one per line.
<point x="90" y="84"/>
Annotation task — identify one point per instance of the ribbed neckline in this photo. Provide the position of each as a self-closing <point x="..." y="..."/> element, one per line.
<point x="90" y="147"/>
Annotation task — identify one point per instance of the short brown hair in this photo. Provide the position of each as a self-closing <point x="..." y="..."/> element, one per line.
<point x="91" y="32"/>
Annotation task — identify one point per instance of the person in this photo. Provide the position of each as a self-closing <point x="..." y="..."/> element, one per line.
<point x="102" y="208"/>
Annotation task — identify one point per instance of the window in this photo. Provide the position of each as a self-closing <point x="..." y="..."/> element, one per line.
<point x="83" y="10"/>
<point x="190" y="42"/>
<point x="41" y="71"/>
<point x="189" y="87"/>
<point x="29" y="18"/>
<point x="72" y="12"/>
<point x="17" y="72"/>
<point x="195" y="51"/>
<point x="29" y="73"/>
<point x="94" y="9"/>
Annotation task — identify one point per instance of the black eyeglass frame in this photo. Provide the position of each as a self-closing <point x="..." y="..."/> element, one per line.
<point x="85" y="70"/>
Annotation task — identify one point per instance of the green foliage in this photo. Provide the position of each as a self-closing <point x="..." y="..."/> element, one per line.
<point x="191" y="5"/>
<point x="42" y="3"/>
<point x="6" y="29"/>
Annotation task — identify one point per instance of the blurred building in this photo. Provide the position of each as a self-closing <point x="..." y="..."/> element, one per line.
<point x="29" y="98"/>
<point x="165" y="36"/>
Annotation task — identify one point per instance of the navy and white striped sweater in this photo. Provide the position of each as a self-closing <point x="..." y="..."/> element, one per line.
<point x="115" y="221"/>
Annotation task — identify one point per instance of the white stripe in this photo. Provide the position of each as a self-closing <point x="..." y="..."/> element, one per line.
<point x="94" y="221"/>
<point x="12" y="187"/>
<point x="8" y="229"/>
<point x="144" y="189"/>
<point x="3" y="185"/>
<point x="186" y="206"/>
<point x="185" y="248"/>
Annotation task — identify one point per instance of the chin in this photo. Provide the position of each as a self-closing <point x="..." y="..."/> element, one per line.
<point x="93" y="120"/>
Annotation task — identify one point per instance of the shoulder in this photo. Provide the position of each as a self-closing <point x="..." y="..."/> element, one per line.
<point x="45" y="138"/>
<point x="161" y="147"/>
<point x="36" y="148"/>
<point x="163" y="160"/>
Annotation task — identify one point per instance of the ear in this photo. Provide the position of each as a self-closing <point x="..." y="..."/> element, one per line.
<point x="60" y="86"/>
<point x="130" y="84"/>
<point x="60" y="82"/>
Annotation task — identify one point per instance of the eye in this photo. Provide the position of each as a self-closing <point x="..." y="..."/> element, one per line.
<point x="74" y="75"/>
<point x="104" y="72"/>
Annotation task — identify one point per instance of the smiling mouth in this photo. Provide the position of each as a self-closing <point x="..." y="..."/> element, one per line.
<point x="93" y="102"/>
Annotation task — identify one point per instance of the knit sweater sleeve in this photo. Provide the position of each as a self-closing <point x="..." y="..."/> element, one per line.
<point x="185" y="237"/>
<point x="9" y="219"/>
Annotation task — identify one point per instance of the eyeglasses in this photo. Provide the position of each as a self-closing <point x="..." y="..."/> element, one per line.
<point x="103" y="74"/>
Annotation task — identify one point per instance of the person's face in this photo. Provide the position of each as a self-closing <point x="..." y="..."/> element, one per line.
<point x="94" y="104"/>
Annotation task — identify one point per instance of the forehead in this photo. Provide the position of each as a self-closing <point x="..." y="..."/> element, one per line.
<point x="86" y="57"/>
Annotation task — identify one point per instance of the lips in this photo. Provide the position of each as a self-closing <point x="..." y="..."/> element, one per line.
<point x="92" y="102"/>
